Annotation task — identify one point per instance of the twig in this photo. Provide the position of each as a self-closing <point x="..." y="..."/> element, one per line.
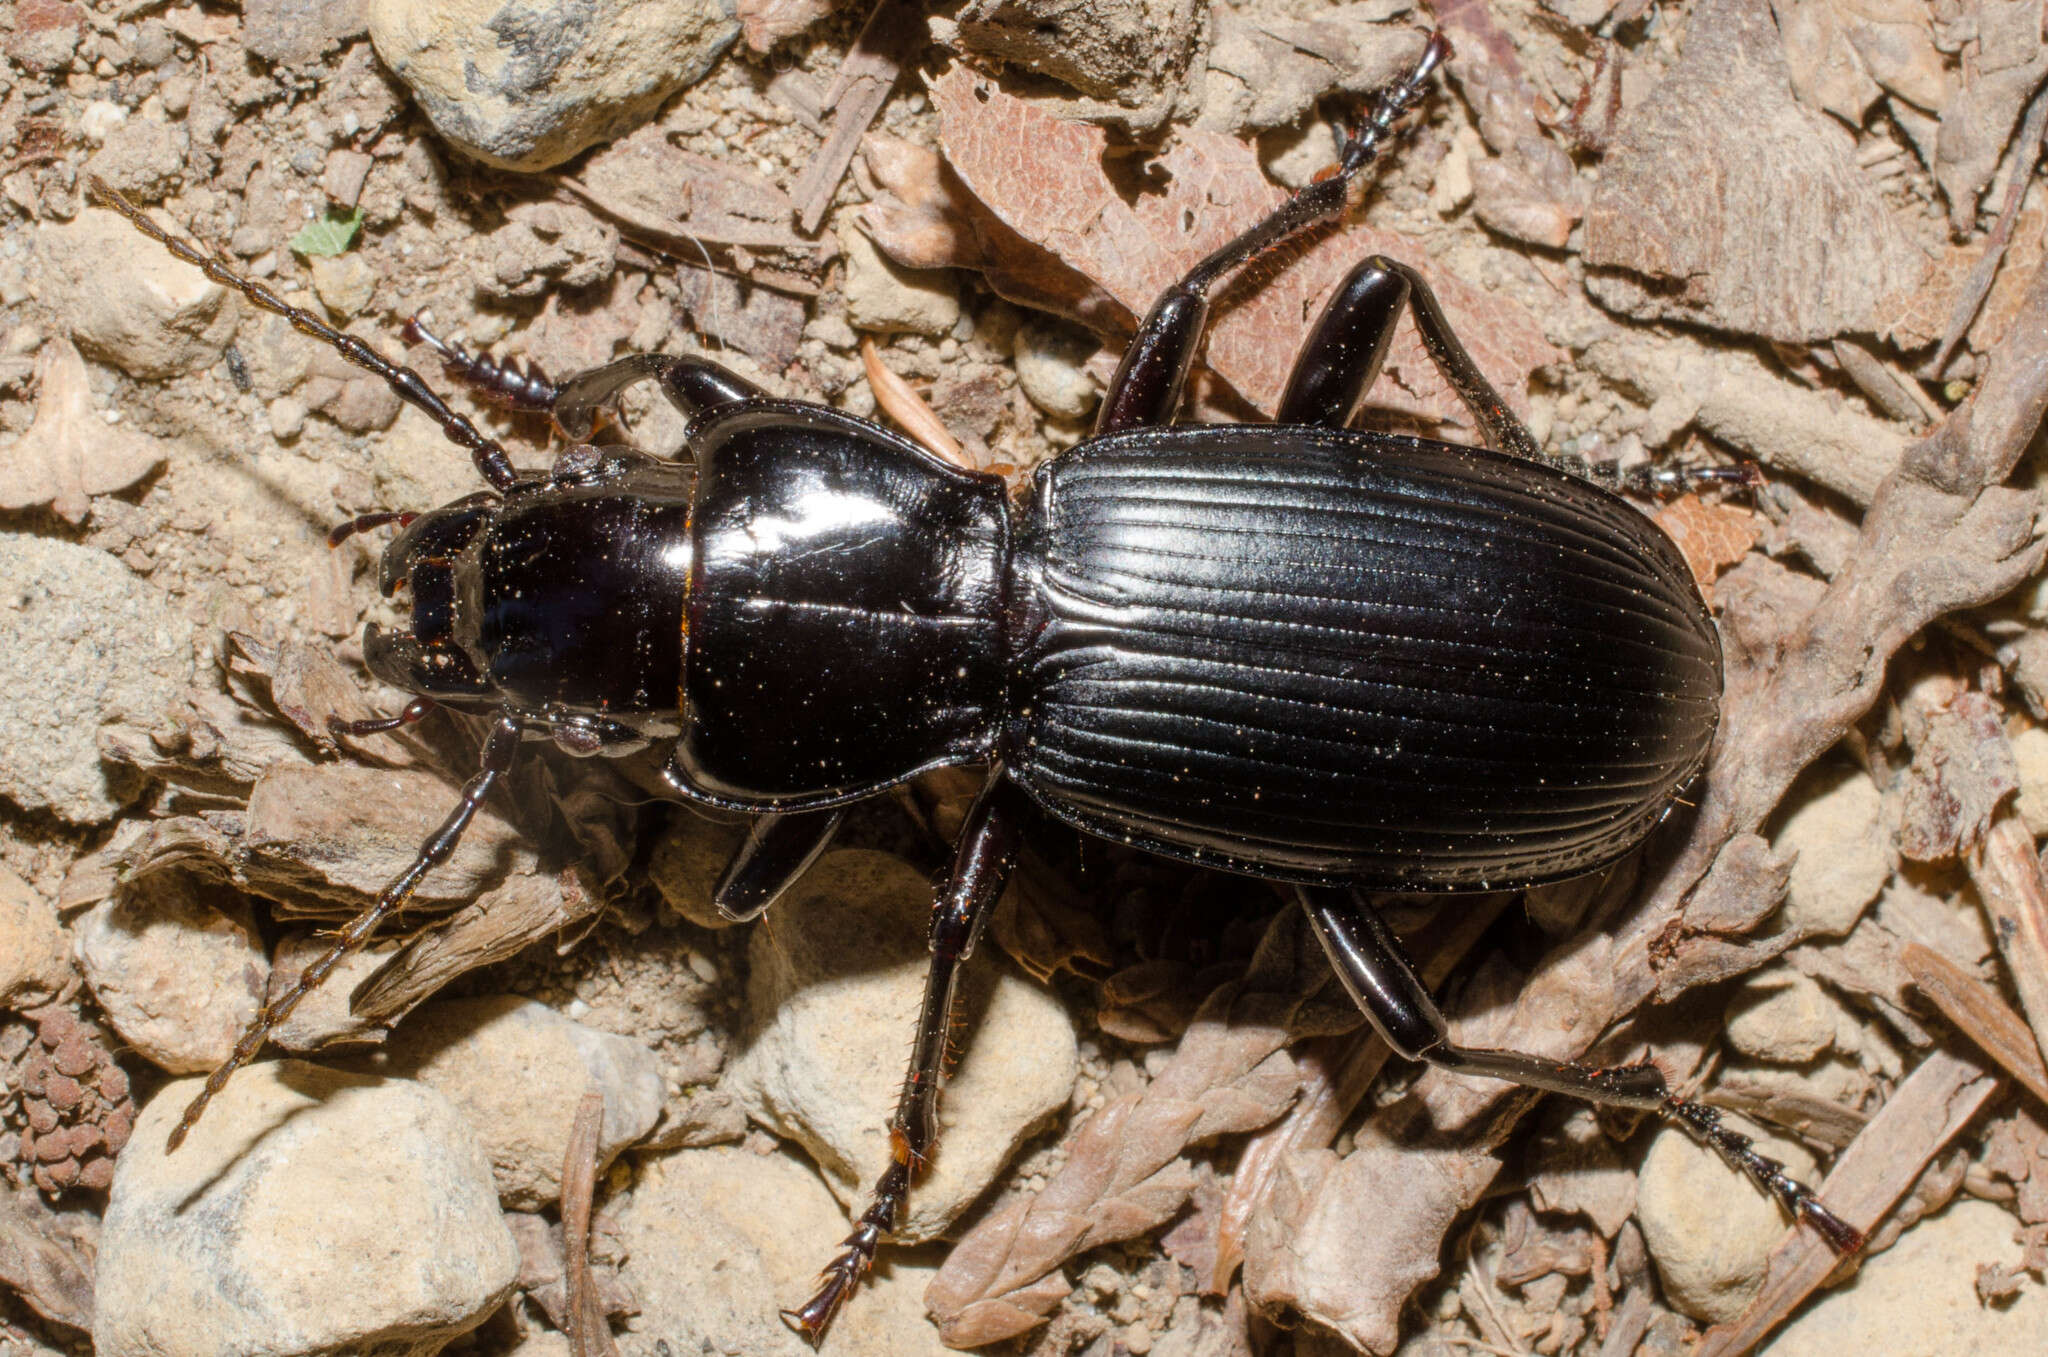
<point x="1978" y="1014"/>
<point x="1934" y="1103"/>
<point x="858" y="92"/>
<point x="590" y="1334"/>
<point x="900" y="401"/>
<point x="1978" y="285"/>
<point x="2007" y="875"/>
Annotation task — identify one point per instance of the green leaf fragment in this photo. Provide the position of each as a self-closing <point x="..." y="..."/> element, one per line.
<point x="329" y="234"/>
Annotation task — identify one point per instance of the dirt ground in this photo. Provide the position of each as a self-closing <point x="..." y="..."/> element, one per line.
<point x="1803" y="237"/>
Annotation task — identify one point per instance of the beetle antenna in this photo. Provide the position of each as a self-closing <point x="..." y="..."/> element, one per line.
<point x="499" y="747"/>
<point x="491" y="462"/>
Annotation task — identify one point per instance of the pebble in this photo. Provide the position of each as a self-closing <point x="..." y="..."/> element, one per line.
<point x="83" y="640"/>
<point x="289" y="32"/>
<point x="1783" y="1017"/>
<point x="1844" y="853"/>
<point x="130" y="303"/>
<point x="517" y="1070"/>
<point x="143" y="159"/>
<point x="35" y="951"/>
<point x="174" y="961"/>
<point x="687" y="863"/>
<point x="2030" y="752"/>
<point x="1920" y="1296"/>
<point x="311" y="1212"/>
<point x="717" y="1240"/>
<point x="887" y="299"/>
<point x="45" y="33"/>
<point x="526" y="89"/>
<point x="344" y="283"/>
<point x="837" y="979"/>
<point x="1050" y="363"/>
<point x="287" y="417"/>
<point x="1708" y="1228"/>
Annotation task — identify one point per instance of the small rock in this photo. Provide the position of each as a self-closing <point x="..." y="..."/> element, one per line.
<point x="838" y="975"/>
<point x="688" y="861"/>
<point x="99" y="120"/>
<point x="46" y="33"/>
<point x="526" y="87"/>
<point x="1707" y="1226"/>
<point x="544" y="246"/>
<point x="717" y="1240"/>
<point x="517" y="1069"/>
<point x="287" y="417"/>
<point x="289" y="32"/>
<point x="1783" y="1017"/>
<point x="129" y="303"/>
<point x="35" y="951"/>
<point x="1050" y="361"/>
<point x="1133" y="54"/>
<point x="345" y="283"/>
<point x="143" y="159"/>
<point x="176" y="964"/>
<point x="1844" y="853"/>
<point x="1920" y="1296"/>
<point x="83" y="641"/>
<point x="2030" y="752"/>
<point x="311" y="1212"/>
<point x="883" y="297"/>
<point x="342" y="178"/>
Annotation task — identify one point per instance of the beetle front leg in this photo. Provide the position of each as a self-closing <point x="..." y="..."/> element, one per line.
<point x="691" y="384"/>
<point x="778" y="849"/>
<point x="981" y="864"/>
<point x="1380" y="978"/>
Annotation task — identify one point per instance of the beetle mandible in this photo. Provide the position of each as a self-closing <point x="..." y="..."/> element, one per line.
<point x="1344" y="660"/>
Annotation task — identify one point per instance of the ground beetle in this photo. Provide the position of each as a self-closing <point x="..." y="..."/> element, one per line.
<point x="1345" y="660"/>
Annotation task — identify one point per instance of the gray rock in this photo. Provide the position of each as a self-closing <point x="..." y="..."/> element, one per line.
<point x="311" y="1212"/>
<point x="1920" y="1296"/>
<point x="1710" y="1231"/>
<point x="35" y="951"/>
<point x="525" y="87"/>
<point x="83" y="642"/>
<point x="517" y="1069"/>
<point x="292" y="31"/>
<point x="1051" y="368"/>
<point x="143" y="158"/>
<point x="1783" y="1017"/>
<point x="1844" y="853"/>
<point x="838" y="975"/>
<point x="886" y="298"/>
<point x="176" y="963"/>
<point x="128" y="303"/>
<point x="717" y="1240"/>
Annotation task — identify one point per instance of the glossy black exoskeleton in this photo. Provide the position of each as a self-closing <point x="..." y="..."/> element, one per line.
<point x="1345" y="660"/>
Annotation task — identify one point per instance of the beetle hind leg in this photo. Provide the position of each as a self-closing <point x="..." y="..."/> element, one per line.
<point x="1369" y="961"/>
<point x="981" y="865"/>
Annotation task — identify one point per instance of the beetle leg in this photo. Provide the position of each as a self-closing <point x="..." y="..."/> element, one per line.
<point x="1148" y="383"/>
<point x="779" y="848"/>
<point x="690" y="383"/>
<point x="1347" y="348"/>
<point x="499" y="747"/>
<point x="415" y="710"/>
<point x="1369" y="960"/>
<point x="981" y="864"/>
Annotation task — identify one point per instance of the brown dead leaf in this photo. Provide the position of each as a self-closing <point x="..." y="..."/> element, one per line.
<point x="1962" y="769"/>
<point x="1712" y="537"/>
<point x="1043" y="178"/>
<point x="1919" y="317"/>
<point x="1977" y="1011"/>
<point x="71" y="454"/>
<point x="1726" y="203"/>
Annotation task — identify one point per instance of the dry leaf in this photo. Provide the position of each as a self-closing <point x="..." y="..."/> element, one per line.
<point x="648" y="181"/>
<point x="1712" y="537"/>
<point x="1920" y="316"/>
<point x="1044" y="179"/>
<point x="71" y="454"/>
<point x="1726" y="203"/>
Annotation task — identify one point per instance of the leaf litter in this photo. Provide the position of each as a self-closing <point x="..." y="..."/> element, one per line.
<point x="1724" y="228"/>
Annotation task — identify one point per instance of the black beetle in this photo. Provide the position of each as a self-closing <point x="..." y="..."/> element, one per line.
<point x="1345" y="660"/>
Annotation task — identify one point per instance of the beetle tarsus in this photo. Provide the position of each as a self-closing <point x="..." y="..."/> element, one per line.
<point x="1705" y="1124"/>
<point x="528" y="390"/>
